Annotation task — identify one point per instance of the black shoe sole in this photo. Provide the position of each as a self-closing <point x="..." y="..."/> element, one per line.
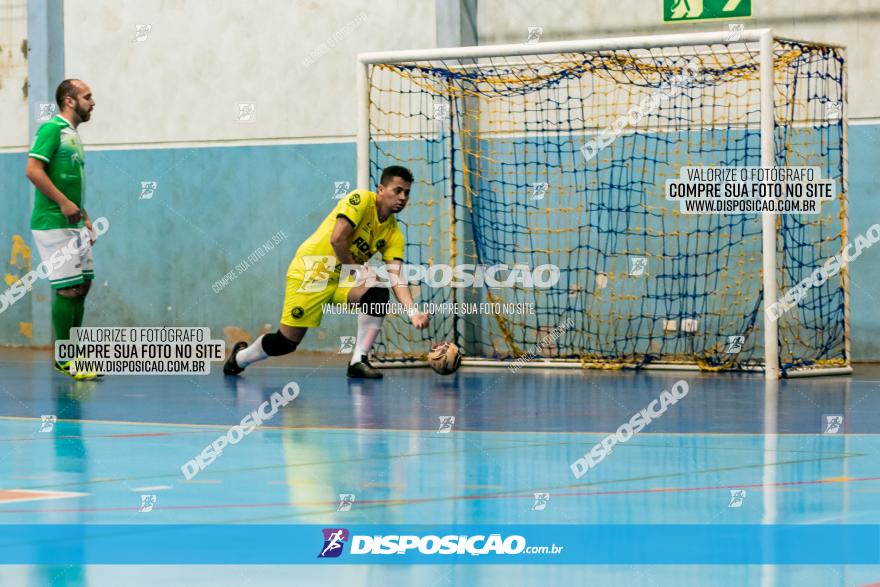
<point x="361" y="374"/>
<point x="230" y="367"/>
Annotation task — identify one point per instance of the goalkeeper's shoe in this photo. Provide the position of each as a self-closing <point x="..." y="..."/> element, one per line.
<point x="230" y="367"/>
<point x="67" y="369"/>
<point x="363" y="370"/>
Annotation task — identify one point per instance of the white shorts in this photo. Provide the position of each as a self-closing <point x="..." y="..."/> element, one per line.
<point x="66" y="254"/>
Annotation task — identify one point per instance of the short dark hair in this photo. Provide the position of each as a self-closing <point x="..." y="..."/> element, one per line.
<point x="393" y="171"/>
<point x="65" y="89"/>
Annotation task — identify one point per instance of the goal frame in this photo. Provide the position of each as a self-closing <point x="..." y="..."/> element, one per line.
<point x="765" y="38"/>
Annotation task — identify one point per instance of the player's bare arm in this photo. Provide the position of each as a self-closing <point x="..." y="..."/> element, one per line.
<point x="35" y="171"/>
<point x="341" y="239"/>
<point x="403" y="295"/>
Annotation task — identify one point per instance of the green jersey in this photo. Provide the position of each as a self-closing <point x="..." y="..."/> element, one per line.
<point x="57" y="144"/>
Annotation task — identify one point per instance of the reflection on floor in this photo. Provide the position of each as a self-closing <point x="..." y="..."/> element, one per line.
<point x="736" y="449"/>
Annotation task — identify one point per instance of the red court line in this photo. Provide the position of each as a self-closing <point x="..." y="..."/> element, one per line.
<point x="529" y="495"/>
<point x="134" y="435"/>
<point x="82" y="437"/>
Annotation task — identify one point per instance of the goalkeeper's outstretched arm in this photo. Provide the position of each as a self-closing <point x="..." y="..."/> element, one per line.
<point x="401" y="292"/>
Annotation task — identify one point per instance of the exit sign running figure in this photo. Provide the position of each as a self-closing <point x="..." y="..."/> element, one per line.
<point x="684" y="10"/>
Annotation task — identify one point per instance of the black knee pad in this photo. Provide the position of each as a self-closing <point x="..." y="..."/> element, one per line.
<point x="375" y="301"/>
<point x="276" y="344"/>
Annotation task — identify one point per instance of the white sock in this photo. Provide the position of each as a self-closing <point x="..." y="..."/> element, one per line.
<point x="368" y="329"/>
<point x="252" y="354"/>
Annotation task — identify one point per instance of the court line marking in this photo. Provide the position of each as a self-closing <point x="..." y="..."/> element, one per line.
<point x="265" y="427"/>
<point x="545" y="488"/>
<point x="35" y="495"/>
<point x="458" y="451"/>
<point x="516" y="443"/>
<point x="525" y="496"/>
<point x="428" y="454"/>
<point x="529" y="494"/>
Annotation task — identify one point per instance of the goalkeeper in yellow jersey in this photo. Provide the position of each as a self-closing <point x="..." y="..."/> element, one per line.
<point x="361" y="225"/>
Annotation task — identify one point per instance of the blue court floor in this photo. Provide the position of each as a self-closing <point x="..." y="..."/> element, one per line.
<point x="514" y="435"/>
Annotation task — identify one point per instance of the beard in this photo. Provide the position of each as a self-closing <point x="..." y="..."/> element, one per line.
<point x="83" y="113"/>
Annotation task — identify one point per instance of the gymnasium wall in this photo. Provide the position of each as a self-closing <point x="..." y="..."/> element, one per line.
<point x="169" y="111"/>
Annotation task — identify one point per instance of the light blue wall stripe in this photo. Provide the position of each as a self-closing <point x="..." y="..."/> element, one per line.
<point x="214" y="206"/>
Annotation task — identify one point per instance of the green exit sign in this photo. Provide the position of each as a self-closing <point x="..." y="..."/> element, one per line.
<point x="686" y="10"/>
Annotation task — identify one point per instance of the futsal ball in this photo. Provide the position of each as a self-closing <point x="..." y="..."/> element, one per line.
<point x="445" y="358"/>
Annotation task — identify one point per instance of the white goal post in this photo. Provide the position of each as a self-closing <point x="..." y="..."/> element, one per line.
<point x="759" y="102"/>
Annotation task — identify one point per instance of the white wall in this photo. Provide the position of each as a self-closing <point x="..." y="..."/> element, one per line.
<point x="201" y="59"/>
<point x="853" y="23"/>
<point x="185" y="81"/>
<point x="13" y="74"/>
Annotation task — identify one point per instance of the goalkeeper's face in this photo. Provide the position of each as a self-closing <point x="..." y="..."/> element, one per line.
<point x="394" y="194"/>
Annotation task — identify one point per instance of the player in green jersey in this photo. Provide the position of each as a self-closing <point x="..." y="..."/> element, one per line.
<point x="55" y="166"/>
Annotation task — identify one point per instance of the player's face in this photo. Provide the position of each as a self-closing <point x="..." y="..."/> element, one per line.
<point x="396" y="193"/>
<point x="84" y="103"/>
